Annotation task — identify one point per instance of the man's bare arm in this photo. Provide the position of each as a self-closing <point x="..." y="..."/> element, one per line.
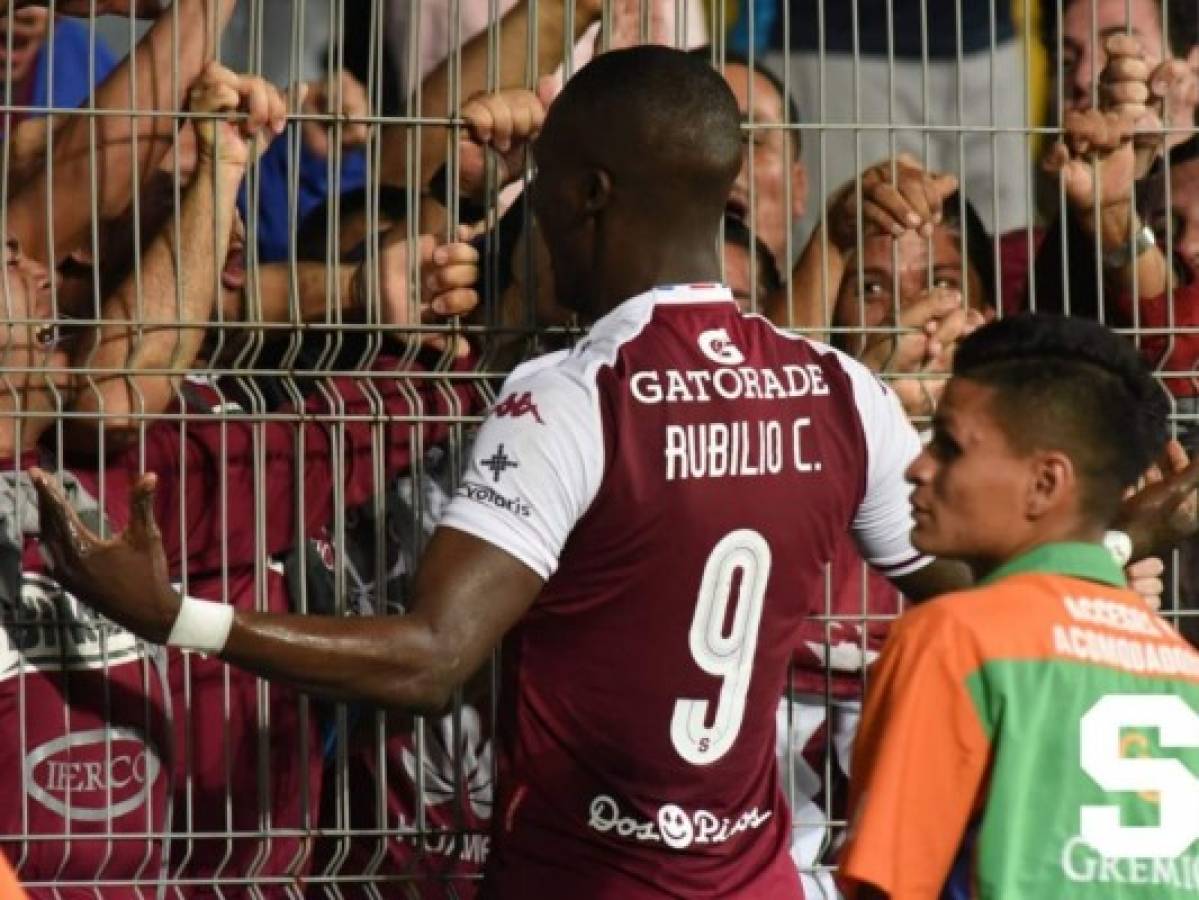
<point x="468" y="593"/>
<point x="941" y="576"/>
<point x="143" y="82"/>
<point x="174" y="333"/>
<point x="158" y="322"/>
<point x="435" y="90"/>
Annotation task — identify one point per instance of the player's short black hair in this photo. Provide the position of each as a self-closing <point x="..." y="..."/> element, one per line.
<point x="653" y="113"/>
<point x="1180" y="18"/>
<point x="1072" y="385"/>
<point x="734" y="58"/>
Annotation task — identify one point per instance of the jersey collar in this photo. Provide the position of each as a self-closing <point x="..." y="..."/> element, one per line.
<point x="710" y="292"/>
<point x="1091" y="562"/>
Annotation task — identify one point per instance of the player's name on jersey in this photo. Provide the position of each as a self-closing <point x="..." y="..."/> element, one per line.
<point x="728" y="383"/>
<point x="1082" y="864"/>
<point x="737" y="449"/>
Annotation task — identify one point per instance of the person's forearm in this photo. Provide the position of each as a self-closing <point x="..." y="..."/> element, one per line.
<point x="178" y="287"/>
<point x="316" y="303"/>
<point x="142" y="82"/>
<point x="941" y="576"/>
<point x="435" y="89"/>
<point x="1148" y="275"/>
<point x="813" y="288"/>
<point x="388" y="661"/>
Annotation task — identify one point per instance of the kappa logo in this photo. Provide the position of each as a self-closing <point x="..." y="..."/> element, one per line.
<point x="517" y="405"/>
<point x="719" y="347"/>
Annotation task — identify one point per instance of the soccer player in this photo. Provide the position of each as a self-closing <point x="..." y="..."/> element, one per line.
<point x="1037" y="736"/>
<point x="644" y="523"/>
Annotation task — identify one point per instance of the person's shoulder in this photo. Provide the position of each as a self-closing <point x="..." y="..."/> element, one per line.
<point x="957" y="615"/>
<point x="555" y="389"/>
<point x="1006" y="613"/>
<point x="539" y="367"/>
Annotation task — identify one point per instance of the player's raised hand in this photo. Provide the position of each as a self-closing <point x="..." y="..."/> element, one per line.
<point x="1164" y="512"/>
<point x="346" y="100"/>
<point x="504" y="123"/>
<point x="448" y="275"/>
<point x="245" y="114"/>
<point x="896" y="196"/>
<point x="126" y="578"/>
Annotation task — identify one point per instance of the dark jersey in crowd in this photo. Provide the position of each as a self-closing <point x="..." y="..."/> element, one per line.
<point x="88" y="751"/>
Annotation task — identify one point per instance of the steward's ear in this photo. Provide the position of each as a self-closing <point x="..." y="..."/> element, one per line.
<point x="1054" y="483"/>
<point x="599" y="190"/>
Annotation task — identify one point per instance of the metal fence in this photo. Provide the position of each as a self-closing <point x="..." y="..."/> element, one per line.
<point x="308" y="416"/>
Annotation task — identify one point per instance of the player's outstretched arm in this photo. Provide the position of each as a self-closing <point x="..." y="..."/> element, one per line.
<point x="468" y="594"/>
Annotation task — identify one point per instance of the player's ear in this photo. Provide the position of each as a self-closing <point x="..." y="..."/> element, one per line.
<point x="599" y="190"/>
<point x="1052" y="483"/>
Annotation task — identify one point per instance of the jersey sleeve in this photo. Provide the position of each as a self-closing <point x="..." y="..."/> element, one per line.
<point x="883" y="523"/>
<point x="535" y="468"/>
<point x="920" y="759"/>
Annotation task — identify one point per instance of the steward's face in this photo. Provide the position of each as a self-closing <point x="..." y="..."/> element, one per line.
<point x="970" y="484"/>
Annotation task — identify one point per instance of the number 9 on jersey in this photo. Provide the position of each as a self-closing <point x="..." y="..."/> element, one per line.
<point x="729" y="657"/>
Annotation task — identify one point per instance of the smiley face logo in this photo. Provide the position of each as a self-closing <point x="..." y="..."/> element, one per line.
<point x="675" y="826"/>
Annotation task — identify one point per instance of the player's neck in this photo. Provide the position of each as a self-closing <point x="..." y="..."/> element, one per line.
<point x="655" y="262"/>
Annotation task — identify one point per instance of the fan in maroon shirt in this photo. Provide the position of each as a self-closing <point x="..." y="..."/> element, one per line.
<point x="644" y="524"/>
<point x="104" y="763"/>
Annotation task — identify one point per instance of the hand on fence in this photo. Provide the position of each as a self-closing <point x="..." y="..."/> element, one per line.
<point x="929" y="331"/>
<point x="126" y="578"/>
<point x="345" y="100"/>
<point x="249" y="113"/>
<point x="1164" y="511"/>
<point x="504" y="122"/>
<point x="896" y="195"/>
<point x="1124" y="90"/>
<point x="448" y="273"/>
<point x="1097" y="165"/>
<point x="1145" y="578"/>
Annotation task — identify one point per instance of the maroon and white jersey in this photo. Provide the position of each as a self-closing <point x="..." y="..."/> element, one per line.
<point x="679" y="479"/>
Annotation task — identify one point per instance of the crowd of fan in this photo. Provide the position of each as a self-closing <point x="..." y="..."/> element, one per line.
<point x="280" y="306"/>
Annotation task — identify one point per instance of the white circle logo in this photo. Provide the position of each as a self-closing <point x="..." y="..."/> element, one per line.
<point x="676" y="828"/>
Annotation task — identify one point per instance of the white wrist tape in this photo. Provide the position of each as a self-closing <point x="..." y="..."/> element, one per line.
<point x="201" y="625"/>
<point x="1119" y="545"/>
